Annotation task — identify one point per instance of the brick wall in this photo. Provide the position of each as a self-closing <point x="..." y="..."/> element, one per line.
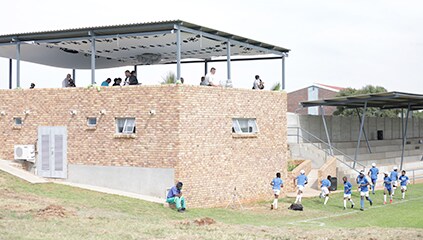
<point x="289" y="185"/>
<point x="329" y="168"/>
<point x="190" y="132"/>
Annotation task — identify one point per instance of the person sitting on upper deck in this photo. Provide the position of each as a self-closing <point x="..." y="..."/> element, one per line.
<point x="106" y="82"/>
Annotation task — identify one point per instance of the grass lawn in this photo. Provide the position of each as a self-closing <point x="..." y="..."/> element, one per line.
<point x="52" y="211"/>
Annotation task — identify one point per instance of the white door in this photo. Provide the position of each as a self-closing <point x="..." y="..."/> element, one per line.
<point x="52" y="152"/>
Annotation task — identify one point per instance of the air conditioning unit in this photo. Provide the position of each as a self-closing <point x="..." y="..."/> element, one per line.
<point x="25" y="152"/>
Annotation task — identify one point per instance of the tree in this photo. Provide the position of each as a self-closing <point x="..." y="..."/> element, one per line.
<point x="169" y="78"/>
<point x="370" y="112"/>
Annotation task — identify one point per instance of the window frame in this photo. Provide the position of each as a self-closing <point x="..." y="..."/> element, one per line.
<point x="125" y="125"/>
<point x="92" y="125"/>
<point x="251" y="123"/>
<point x="15" y="121"/>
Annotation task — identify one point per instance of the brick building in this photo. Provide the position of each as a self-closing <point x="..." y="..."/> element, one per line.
<point x="143" y="139"/>
<point x="313" y="92"/>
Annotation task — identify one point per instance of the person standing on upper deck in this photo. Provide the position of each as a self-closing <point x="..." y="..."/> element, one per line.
<point x="211" y="79"/>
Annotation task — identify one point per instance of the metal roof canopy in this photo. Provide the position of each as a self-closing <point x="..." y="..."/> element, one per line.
<point x="387" y="100"/>
<point x="132" y="44"/>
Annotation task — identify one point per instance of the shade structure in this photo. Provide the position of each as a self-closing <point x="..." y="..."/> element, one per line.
<point x="131" y="44"/>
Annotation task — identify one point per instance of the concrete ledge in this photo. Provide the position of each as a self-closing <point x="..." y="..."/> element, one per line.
<point x="6" y="166"/>
<point x="113" y="191"/>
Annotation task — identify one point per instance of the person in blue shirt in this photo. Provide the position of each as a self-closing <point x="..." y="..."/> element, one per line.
<point x="301" y="181"/>
<point x="373" y="172"/>
<point x="363" y="184"/>
<point x="403" y="182"/>
<point x="394" y="179"/>
<point x="387" y="183"/>
<point x="347" y="192"/>
<point x="325" y="189"/>
<point x="175" y="197"/>
<point x="106" y="82"/>
<point x="277" y="184"/>
<point x="359" y="178"/>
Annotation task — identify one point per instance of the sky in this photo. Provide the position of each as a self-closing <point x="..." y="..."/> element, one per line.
<point x="335" y="42"/>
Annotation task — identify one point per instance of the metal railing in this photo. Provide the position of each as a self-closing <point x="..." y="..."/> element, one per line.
<point x="413" y="174"/>
<point x="329" y="150"/>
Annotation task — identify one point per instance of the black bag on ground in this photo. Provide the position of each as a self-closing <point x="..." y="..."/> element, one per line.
<point x="296" y="207"/>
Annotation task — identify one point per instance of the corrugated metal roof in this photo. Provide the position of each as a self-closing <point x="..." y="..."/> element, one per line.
<point x="387" y="100"/>
<point x="127" y="29"/>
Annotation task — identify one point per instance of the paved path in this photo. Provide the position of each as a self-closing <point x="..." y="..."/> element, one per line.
<point x="8" y="167"/>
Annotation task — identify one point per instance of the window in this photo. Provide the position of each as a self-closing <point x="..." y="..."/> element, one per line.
<point x="92" y="121"/>
<point x="125" y="125"/>
<point x="17" y="121"/>
<point x="244" y="125"/>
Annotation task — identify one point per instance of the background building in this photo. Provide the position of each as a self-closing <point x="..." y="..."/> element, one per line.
<point x="313" y="92"/>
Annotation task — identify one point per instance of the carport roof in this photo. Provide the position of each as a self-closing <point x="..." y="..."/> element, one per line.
<point x="129" y="44"/>
<point x="387" y="100"/>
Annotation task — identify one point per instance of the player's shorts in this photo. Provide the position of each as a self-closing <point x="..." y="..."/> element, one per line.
<point x="300" y="187"/>
<point x="347" y="195"/>
<point x="404" y="188"/>
<point x="364" y="194"/>
<point x="394" y="184"/>
<point x="276" y="191"/>
<point x="388" y="189"/>
<point x="374" y="181"/>
<point x="325" y="190"/>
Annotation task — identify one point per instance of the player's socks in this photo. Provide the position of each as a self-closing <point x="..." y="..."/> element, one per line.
<point x="345" y="203"/>
<point x="384" y="199"/>
<point x="275" y="203"/>
<point x="297" y="198"/>
<point x="362" y="203"/>
<point x="326" y="199"/>
<point x="352" y="203"/>
<point x="403" y="195"/>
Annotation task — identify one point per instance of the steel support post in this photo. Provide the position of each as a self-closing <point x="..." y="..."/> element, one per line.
<point x="326" y="129"/>
<point x="283" y="74"/>
<point x="178" y="54"/>
<point x="93" y="51"/>
<point x="73" y="75"/>
<point x="364" y="132"/>
<point x="404" y="136"/>
<point x="206" y="67"/>
<point x="360" y="133"/>
<point x="228" y="63"/>
<point x="10" y="73"/>
<point x="18" y="65"/>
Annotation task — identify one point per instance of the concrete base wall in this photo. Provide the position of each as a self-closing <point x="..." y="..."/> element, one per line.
<point x="346" y="129"/>
<point x="146" y="181"/>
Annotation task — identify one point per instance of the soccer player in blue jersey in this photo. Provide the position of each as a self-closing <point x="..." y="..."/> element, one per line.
<point x="301" y="182"/>
<point x="325" y="188"/>
<point x="347" y="192"/>
<point x="364" y="190"/>
<point x="277" y="184"/>
<point x="387" y="182"/>
<point x="394" y="179"/>
<point x="373" y="172"/>
<point x="403" y="182"/>
<point x="359" y="178"/>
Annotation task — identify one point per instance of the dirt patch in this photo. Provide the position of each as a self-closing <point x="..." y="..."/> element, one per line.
<point x="204" y="221"/>
<point x="54" y="211"/>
